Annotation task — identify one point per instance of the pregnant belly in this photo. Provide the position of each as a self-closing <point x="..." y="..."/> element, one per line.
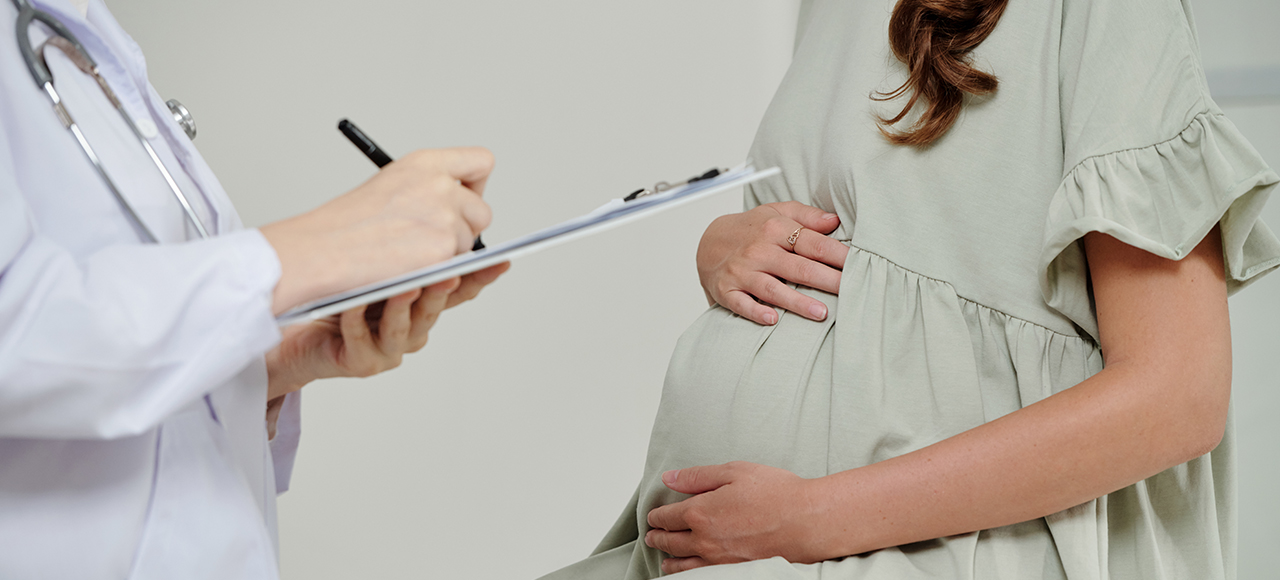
<point x="739" y="391"/>
<point x="891" y="370"/>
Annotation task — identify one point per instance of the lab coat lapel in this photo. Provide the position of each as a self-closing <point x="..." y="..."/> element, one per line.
<point x="217" y="201"/>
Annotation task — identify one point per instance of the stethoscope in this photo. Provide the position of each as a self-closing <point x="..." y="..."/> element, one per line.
<point x="64" y="40"/>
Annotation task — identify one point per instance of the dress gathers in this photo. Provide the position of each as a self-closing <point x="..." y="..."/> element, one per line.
<point x="965" y="295"/>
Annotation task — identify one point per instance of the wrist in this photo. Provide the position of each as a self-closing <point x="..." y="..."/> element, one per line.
<point x="307" y="270"/>
<point x="279" y="388"/>
<point x="841" y="514"/>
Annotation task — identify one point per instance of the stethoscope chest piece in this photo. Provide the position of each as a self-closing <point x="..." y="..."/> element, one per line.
<point x="183" y="117"/>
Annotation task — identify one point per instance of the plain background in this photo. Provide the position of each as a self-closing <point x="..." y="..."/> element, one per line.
<point x="508" y="447"/>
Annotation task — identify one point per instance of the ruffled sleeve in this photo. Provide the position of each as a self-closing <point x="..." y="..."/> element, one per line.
<point x="1150" y="158"/>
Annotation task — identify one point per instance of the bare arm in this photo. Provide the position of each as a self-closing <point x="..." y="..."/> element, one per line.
<point x="1161" y="401"/>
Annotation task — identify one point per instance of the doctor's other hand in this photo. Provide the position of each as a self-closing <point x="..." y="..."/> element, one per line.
<point x="744" y="260"/>
<point x="352" y="344"/>
<point x="421" y="209"/>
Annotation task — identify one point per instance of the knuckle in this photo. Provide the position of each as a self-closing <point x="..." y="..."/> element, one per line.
<point x="372" y="369"/>
<point x="755" y="253"/>
<point x="773" y="226"/>
<point x="397" y="335"/>
<point x="808" y="271"/>
<point x="423" y="159"/>
<point x="416" y="156"/>
<point x="453" y="218"/>
<point x="770" y="292"/>
<point x="721" y="288"/>
<point x="662" y="543"/>
<point x="817" y="249"/>
<point x="696" y="519"/>
<point x="467" y="293"/>
<point x="704" y="547"/>
<point x="832" y="252"/>
<point x="483" y="215"/>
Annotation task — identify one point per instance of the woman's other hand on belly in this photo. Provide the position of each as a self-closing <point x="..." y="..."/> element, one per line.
<point x="745" y="260"/>
<point x="739" y="511"/>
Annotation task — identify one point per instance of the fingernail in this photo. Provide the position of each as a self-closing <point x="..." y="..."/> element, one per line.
<point x="647" y="541"/>
<point x="771" y="318"/>
<point x="670" y="476"/>
<point x="818" y="312"/>
<point x="827" y="216"/>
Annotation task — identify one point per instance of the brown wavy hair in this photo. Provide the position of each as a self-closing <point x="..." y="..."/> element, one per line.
<point x="933" y="38"/>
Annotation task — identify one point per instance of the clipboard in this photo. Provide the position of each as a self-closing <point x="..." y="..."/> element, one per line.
<point x="639" y="205"/>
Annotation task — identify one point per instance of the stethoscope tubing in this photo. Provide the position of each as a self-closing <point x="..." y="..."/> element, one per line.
<point x="65" y="41"/>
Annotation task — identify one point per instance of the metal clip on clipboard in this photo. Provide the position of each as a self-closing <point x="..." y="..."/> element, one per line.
<point x="662" y="186"/>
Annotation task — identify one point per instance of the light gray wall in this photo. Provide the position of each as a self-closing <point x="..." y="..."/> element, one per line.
<point x="1255" y="331"/>
<point x="519" y="465"/>
<point x="1241" y="52"/>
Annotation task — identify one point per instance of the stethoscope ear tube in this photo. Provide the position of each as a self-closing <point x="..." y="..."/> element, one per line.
<point x="35" y="63"/>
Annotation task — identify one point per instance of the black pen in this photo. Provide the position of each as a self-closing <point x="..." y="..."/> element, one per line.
<point x="377" y="155"/>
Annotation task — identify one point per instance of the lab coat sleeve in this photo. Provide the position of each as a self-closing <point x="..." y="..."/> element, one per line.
<point x="284" y="446"/>
<point x="111" y="344"/>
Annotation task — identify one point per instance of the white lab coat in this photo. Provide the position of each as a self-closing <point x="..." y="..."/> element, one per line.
<point x="132" y="382"/>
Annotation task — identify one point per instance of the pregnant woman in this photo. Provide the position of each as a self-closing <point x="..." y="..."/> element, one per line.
<point x="1001" y="347"/>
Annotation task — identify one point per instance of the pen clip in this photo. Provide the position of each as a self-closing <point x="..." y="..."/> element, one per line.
<point x="662" y="186"/>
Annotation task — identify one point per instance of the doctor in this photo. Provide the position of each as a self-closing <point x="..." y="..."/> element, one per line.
<point x="135" y="377"/>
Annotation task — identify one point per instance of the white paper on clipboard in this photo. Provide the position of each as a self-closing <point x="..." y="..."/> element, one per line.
<point x="606" y="217"/>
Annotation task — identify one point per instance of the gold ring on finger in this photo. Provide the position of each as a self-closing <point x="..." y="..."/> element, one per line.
<point x="795" y="237"/>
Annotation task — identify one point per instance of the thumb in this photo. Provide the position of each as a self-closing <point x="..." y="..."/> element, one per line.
<point x="809" y="216"/>
<point x="695" y="480"/>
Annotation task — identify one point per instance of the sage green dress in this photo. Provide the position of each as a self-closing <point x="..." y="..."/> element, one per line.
<point x="965" y="294"/>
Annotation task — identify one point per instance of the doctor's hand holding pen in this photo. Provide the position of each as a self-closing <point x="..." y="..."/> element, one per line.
<point x="422" y="209"/>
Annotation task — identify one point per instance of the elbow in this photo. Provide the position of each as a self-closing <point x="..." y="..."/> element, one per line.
<point x="1205" y="440"/>
<point x="1178" y="408"/>
<point x="1202" y="418"/>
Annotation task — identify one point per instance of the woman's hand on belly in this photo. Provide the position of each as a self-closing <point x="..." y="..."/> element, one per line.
<point x="740" y="511"/>
<point x="746" y="257"/>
